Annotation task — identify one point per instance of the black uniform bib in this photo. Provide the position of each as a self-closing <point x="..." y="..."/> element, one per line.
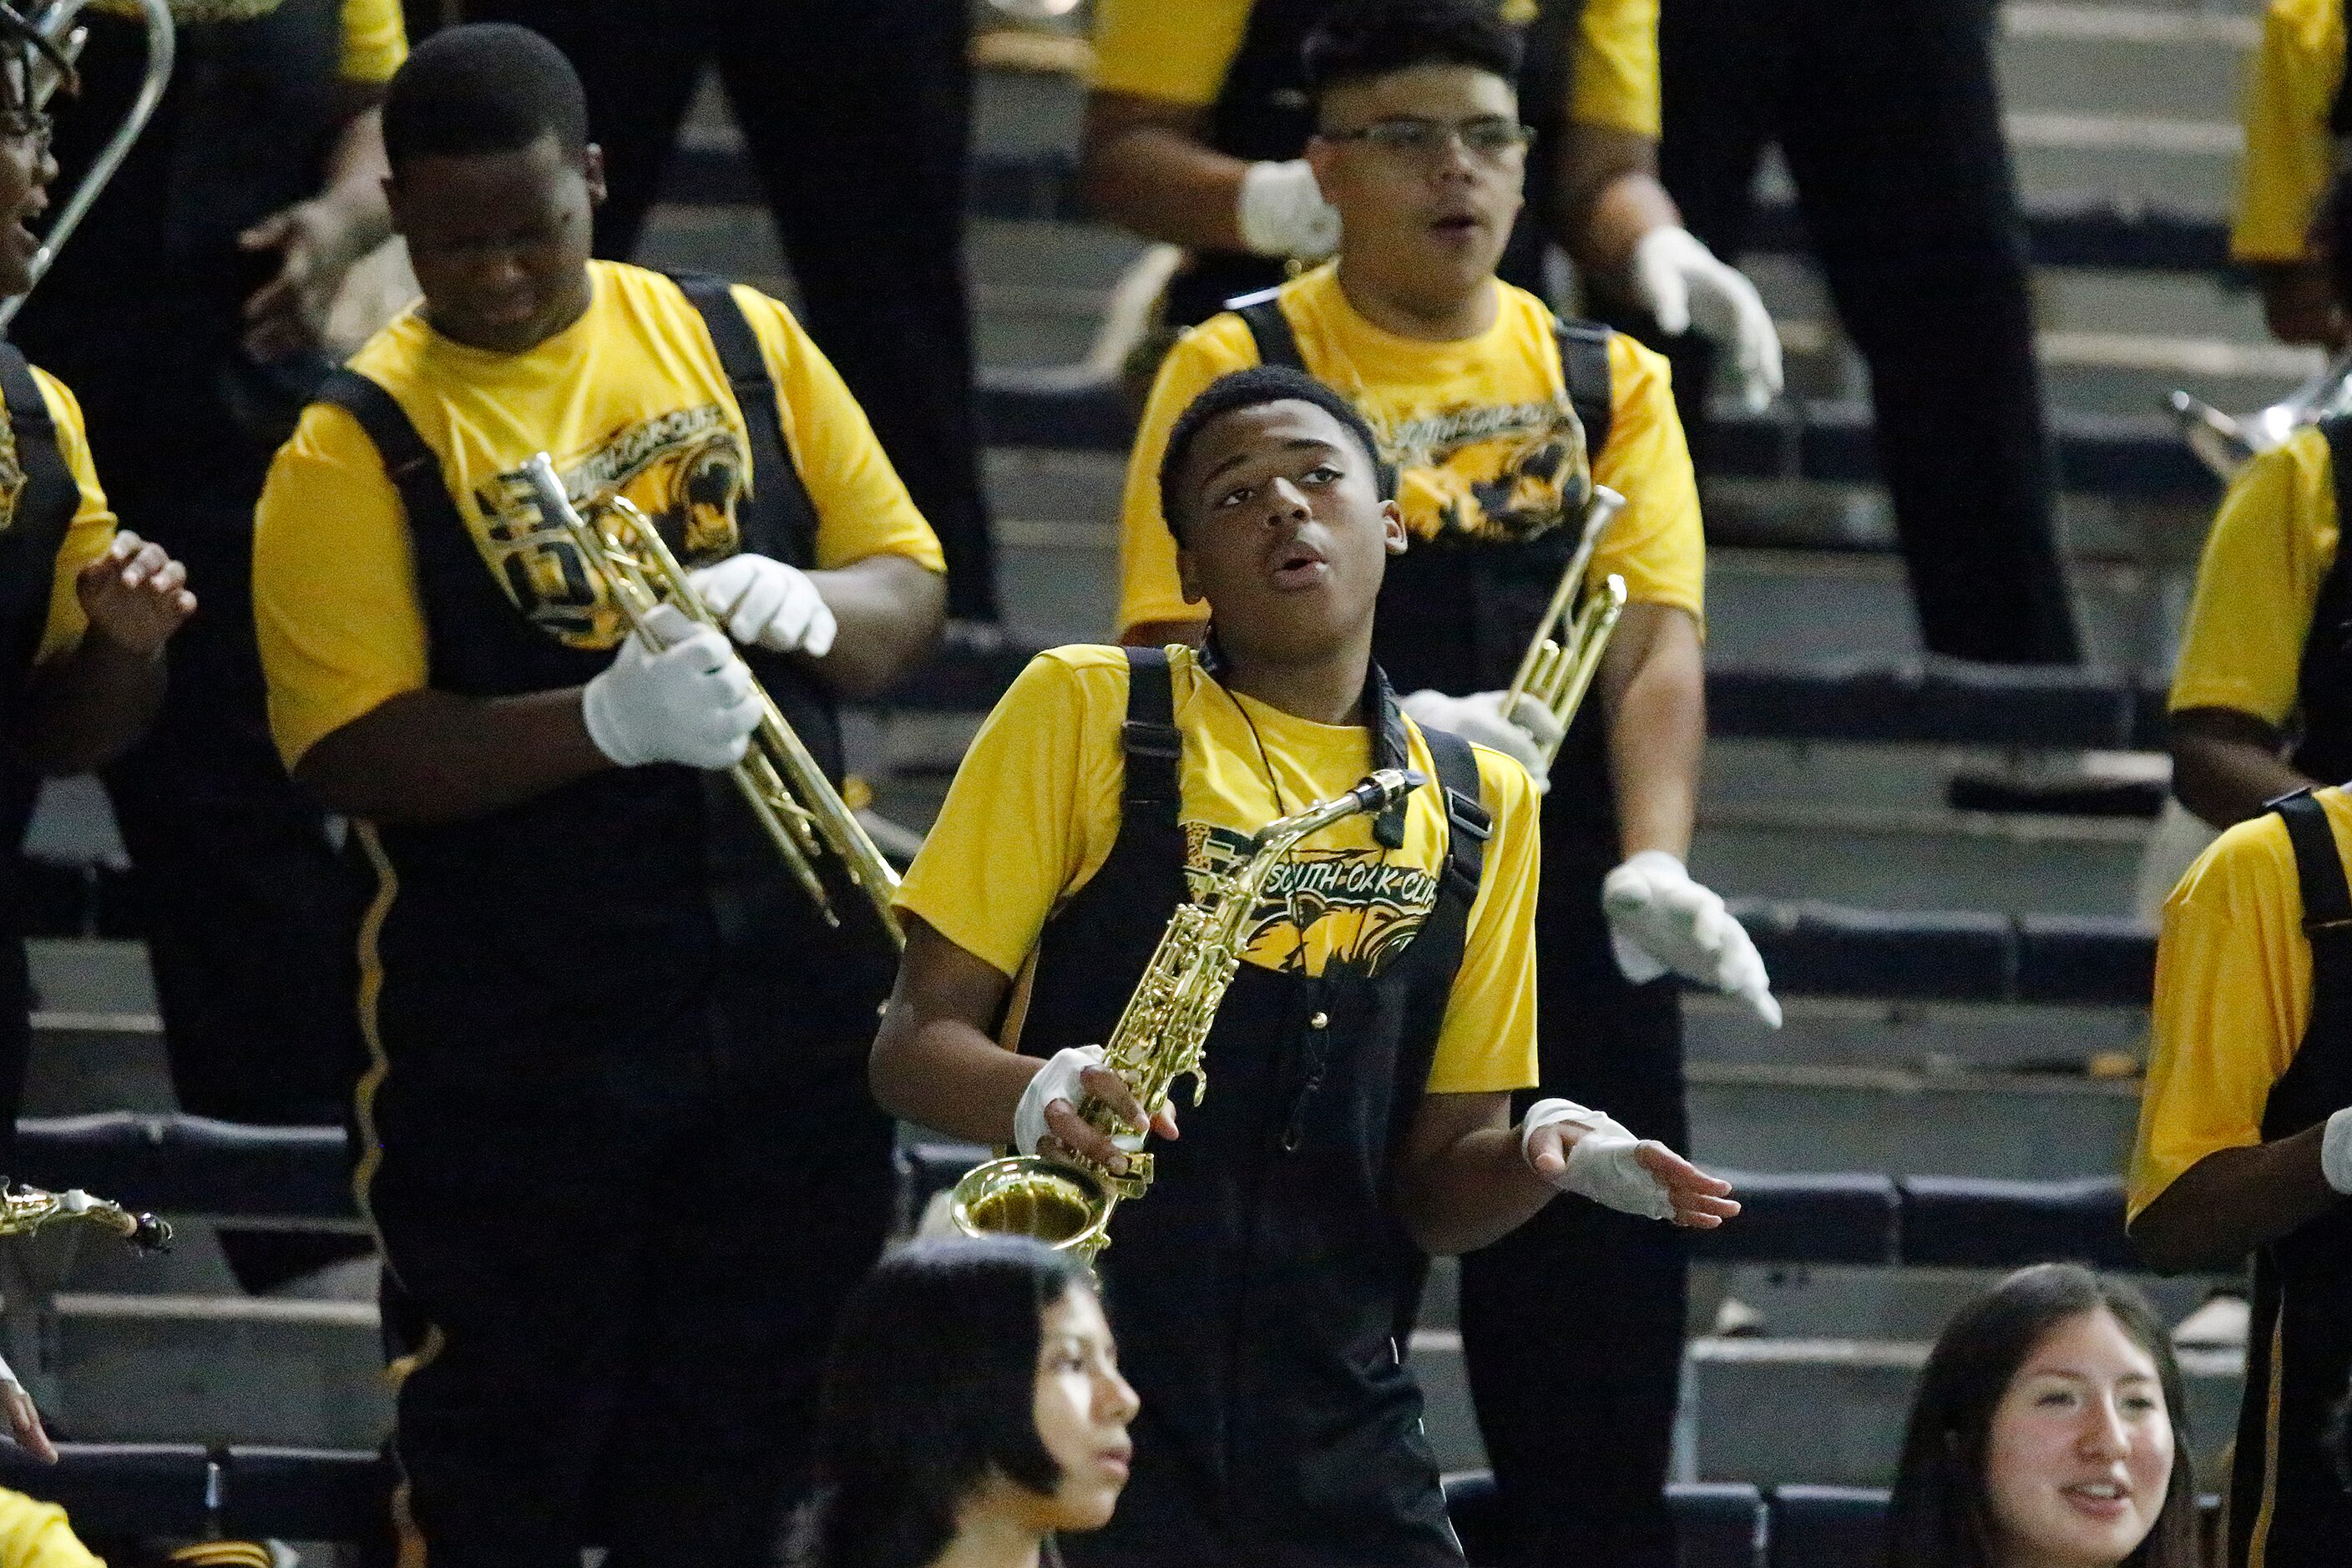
<point x="1255" y="1288"/>
<point x="40" y="500"/>
<point x="615" y="904"/>
<point x="2324" y="681"/>
<point x="1262" y="113"/>
<point x="2286" y="1499"/>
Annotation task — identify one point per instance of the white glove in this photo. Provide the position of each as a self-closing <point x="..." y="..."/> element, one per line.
<point x="767" y="604"/>
<point x="1524" y="734"/>
<point x="1282" y="212"/>
<point x="1685" y="284"/>
<point x="1602" y="1165"/>
<point x="1058" y="1080"/>
<point x="2335" y="1152"/>
<point x="689" y="703"/>
<point x="1660" y="919"/>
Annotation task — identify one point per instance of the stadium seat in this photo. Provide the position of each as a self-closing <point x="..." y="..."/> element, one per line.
<point x="927" y="1169"/>
<point x="1944" y="703"/>
<point x="192" y="1164"/>
<point x="304" y="1494"/>
<point x="1840" y="1217"/>
<point x="2089" y="959"/>
<point x="1976" y="1222"/>
<point x="1827" y="1527"/>
<point x="120" y="1489"/>
<point x="1824" y="949"/>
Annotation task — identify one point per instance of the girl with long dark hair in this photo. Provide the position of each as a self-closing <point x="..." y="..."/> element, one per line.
<point x="2046" y="1434"/>
<point x="973" y="1408"/>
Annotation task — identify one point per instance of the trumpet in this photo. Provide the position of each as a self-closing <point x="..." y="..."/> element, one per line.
<point x="1557" y="670"/>
<point x="51" y="66"/>
<point x="25" y="1210"/>
<point x="2223" y="442"/>
<point x="1066" y="1201"/>
<point x="804" y="815"/>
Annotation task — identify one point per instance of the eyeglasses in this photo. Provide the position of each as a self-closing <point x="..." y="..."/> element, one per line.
<point x="25" y="125"/>
<point x="1490" y="140"/>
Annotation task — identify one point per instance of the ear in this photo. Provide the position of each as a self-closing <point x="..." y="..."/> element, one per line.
<point x="592" y="166"/>
<point x="1193" y="594"/>
<point x="1392" y="529"/>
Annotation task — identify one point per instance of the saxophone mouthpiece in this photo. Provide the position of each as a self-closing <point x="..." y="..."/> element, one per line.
<point x="151" y="1234"/>
<point x="1389" y="785"/>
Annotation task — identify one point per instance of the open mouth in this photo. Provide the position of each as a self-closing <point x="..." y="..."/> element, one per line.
<point x="1456" y="226"/>
<point x="1297" y="565"/>
<point x="2100" y="1500"/>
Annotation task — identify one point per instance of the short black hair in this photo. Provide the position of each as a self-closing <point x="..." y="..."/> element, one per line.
<point x="23" y="44"/>
<point x="1357" y="39"/>
<point x="483" y="86"/>
<point x="1251" y="388"/>
<point x="932" y="1387"/>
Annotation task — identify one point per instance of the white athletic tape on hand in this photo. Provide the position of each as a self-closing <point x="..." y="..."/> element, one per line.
<point x="1602" y="1165"/>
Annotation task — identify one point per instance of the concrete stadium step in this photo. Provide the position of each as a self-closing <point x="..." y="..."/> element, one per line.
<point x="1856" y="1396"/>
<point x="2119" y="59"/>
<point x="1769" y="1117"/>
<point x="213" y="1369"/>
<point x="1926" y="1038"/>
<point x="1940" y="860"/>
<point x="1829" y="1301"/>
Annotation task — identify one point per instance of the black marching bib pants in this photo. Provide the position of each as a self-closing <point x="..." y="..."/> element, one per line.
<point x="2288" y="1505"/>
<point x="1254" y="1290"/>
<point x="1576" y="1404"/>
<point x="620" y="1151"/>
<point x="1260" y="113"/>
<point x="33" y="528"/>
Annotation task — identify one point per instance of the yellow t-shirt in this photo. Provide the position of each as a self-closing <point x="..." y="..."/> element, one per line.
<point x="87" y="536"/>
<point x="629" y="399"/>
<point x="2232" y="997"/>
<point x="1180" y="50"/>
<point x="1034" y="810"/>
<point x="376" y="40"/>
<point x="2290" y="152"/>
<point x="36" y="1535"/>
<point x="2271" y="546"/>
<point x="1455" y="419"/>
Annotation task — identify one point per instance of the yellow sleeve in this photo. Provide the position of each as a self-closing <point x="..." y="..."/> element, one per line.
<point x="1030" y="815"/>
<point x="862" y="505"/>
<point x="376" y="40"/>
<point x="36" y="1535"/>
<point x="334" y="584"/>
<point x="2271" y="548"/>
<point x="2291" y="84"/>
<point x="87" y="536"/>
<point x="1657" y="544"/>
<point x="1148" y="587"/>
<point x="2232" y="997"/>
<point x="1176" y="50"/>
<point x="1488" y="1042"/>
<point x="1613" y="73"/>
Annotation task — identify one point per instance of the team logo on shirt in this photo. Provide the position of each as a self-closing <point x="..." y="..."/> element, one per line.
<point x="683" y="468"/>
<point x="12" y="473"/>
<point x="1345" y="911"/>
<point x="1498" y="474"/>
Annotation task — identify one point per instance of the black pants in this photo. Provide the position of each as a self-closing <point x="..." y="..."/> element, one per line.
<point x="1889" y="121"/>
<point x="630" y="1261"/>
<point x="857" y="120"/>
<point x="1572" y="1325"/>
<point x="250" y="915"/>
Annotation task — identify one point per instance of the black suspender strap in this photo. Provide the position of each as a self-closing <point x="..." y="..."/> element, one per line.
<point x="2337" y="429"/>
<point x="1262" y="313"/>
<point x="2326" y="906"/>
<point x="1468" y="825"/>
<point x="415" y="471"/>
<point x="776" y="480"/>
<point x="1584" y="366"/>
<point x="1154" y="746"/>
<point x="49" y="489"/>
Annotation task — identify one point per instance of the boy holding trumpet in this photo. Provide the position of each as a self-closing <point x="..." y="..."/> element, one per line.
<point x="595" y="995"/>
<point x="1499" y="421"/>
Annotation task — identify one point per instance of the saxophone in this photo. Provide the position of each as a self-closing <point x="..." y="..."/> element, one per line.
<point x="1066" y="1201"/>
<point x="24" y="1210"/>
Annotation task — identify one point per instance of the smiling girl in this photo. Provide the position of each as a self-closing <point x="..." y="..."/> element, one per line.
<point x="2045" y="1436"/>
